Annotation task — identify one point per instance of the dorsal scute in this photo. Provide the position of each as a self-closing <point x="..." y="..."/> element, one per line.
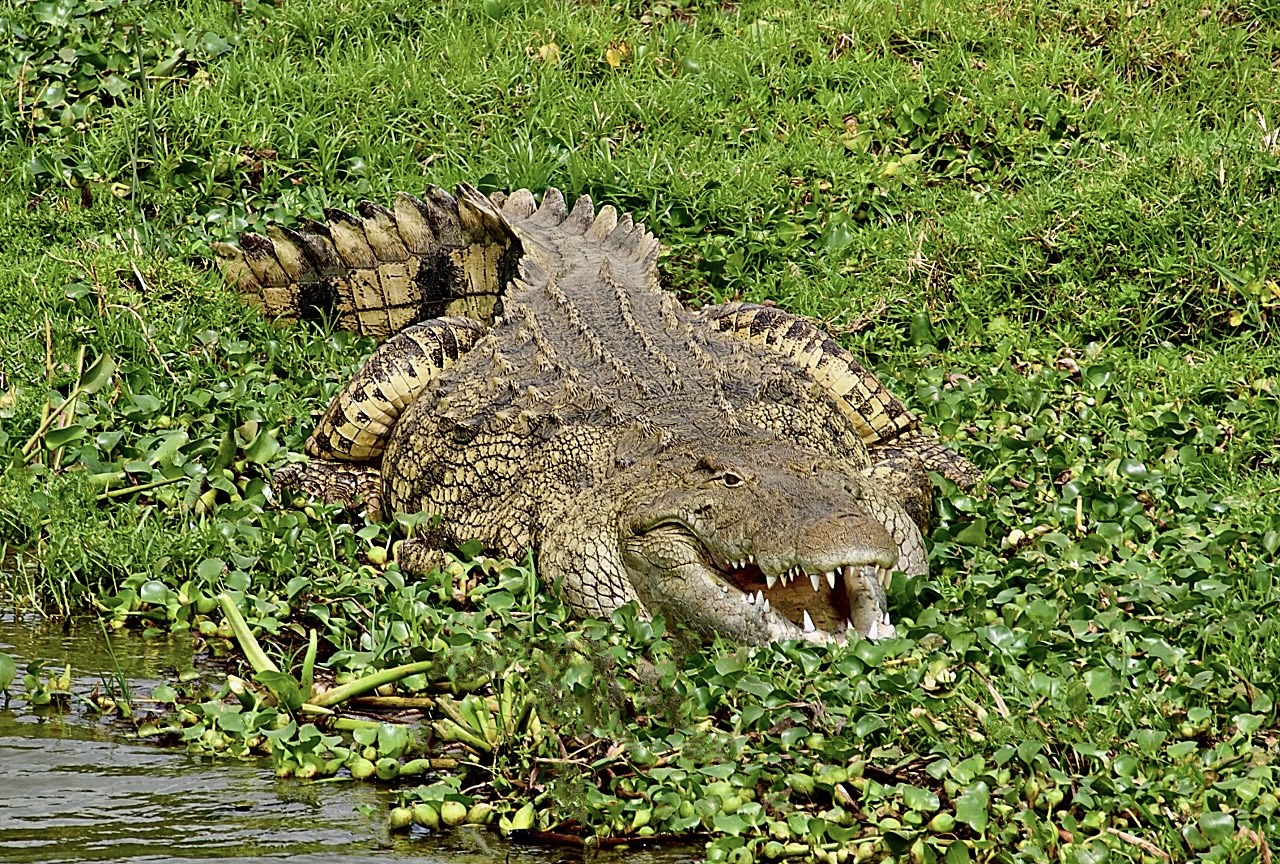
<point x="606" y="220"/>
<point x="380" y="269"/>
<point x="581" y="216"/>
<point x="553" y="211"/>
<point x="382" y="233"/>
<point x="520" y="205"/>
<point x="295" y="257"/>
<point x="442" y="211"/>
<point x="481" y="220"/>
<point x="385" y="268"/>
<point x="347" y="232"/>
<point x="259" y="254"/>
<point x="413" y="223"/>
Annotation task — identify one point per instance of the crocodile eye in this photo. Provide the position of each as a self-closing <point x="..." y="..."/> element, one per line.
<point x="730" y="480"/>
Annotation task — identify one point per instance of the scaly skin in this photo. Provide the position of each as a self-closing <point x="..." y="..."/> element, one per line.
<point x="750" y="539"/>
<point x="733" y="469"/>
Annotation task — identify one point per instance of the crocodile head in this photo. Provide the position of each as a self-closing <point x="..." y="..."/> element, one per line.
<point x="760" y="541"/>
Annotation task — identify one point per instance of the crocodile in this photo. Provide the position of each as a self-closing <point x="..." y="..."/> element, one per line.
<point x="732" y="468"/>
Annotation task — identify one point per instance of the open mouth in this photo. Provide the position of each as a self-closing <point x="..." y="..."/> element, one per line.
<point x="833" y="601"/>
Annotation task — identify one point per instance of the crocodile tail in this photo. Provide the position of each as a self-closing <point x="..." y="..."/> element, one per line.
<point x="378" y="272"/>
<point x="931" y="454"/>
<point x="875" y="412"/>
<point x="886" y="426"/>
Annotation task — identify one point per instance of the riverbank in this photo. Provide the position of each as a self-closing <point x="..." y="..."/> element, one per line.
<point x="1048" y="230"/>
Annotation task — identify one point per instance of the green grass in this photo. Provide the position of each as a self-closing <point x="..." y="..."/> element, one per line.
<point x="1081" y="196"/>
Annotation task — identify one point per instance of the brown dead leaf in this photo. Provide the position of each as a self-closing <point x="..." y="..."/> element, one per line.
<point x="617" y="53"/>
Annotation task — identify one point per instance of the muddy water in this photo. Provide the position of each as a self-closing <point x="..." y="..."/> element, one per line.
<point x="75" y="789"/>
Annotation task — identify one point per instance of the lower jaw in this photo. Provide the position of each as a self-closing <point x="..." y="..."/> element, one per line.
<point x="828" y="608"/>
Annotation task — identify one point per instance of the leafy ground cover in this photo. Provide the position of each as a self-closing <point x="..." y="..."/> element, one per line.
<point x="1048" y="225"/>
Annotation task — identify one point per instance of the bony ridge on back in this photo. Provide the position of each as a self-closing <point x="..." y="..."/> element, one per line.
<point x="732" y="468"/>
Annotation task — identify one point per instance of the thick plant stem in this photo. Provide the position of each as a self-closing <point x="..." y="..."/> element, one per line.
<point x="369" y="683"/>
<point x="307" y="683"/>
<point x="253" y="652"/>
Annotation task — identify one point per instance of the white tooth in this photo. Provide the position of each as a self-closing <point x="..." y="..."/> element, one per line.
<point x="767" y="607"/>
<point x="815" y="580"/>
<point x="749" y="598"/>
<point x="770" y="581"/>
<point x="751" y="558"/>
<point x="848" y="626"/>
<point x="808" y="623"/>
<point x="874" y="632"/>
<point x="759" y="597"/>
<point x="831" y="579"/>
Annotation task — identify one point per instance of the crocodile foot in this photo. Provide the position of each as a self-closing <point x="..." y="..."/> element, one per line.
<point x="356" y="487"/>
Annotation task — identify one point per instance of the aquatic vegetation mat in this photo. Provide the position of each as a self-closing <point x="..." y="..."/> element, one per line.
<point x="1048" y="229"/>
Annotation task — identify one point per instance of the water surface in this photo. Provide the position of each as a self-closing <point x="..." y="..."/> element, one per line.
<point x="75" y="788"/>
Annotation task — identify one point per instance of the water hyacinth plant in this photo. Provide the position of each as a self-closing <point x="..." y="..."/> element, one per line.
<point x="1049" y="228"/>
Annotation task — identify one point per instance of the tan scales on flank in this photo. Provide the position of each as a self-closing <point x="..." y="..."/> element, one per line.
<point x="733" y="468"/>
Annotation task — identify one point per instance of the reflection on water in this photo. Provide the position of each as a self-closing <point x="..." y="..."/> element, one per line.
<point x="71" y="790"/>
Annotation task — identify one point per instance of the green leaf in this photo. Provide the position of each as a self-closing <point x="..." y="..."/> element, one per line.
<point x="1248" y="723"/>
<point x="867" y="724"/>
<point x="212" y="44"/>
<point x="169" y="447"/>
<point x="957" y="853"/>
<point x="1101" y="682"/>
<point x="115" y="85"/>
<point x="283" y="685"/>
<point x="730" y="823"/>
<point x="211" y="569"/>
<point x="728" y="664"/>
<point x="392" y="739"/>
<point x="971" y="806"/>
<point x="498" y="601"/>
<point x="973" y="534"/>
<point x="284" y="733"/>
<point x="263" y="448"/>
<point x="56" y="438"/>
<point x="1100" y="375"/>
<point x="837" y="236"/>
<point x="8" y="671"/>
<point x="98" y="375"/>
<point x="154" y="591"/>
<point x="1271" y="542"/>
<point x="921" y="332"/>
<point x="1217" y="827"/>
<point x="231" y="721"/>
<point x="919" y="799"/>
